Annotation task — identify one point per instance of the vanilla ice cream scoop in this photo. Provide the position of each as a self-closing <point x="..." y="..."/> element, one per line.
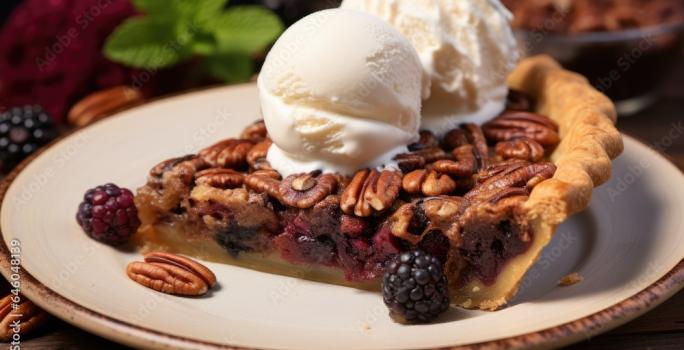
<point x="467" y="48"/>
<point x="340" y="90"/>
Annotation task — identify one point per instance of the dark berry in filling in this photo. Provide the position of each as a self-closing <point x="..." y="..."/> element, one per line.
<point x="299" y="244"/>
<point x="237" y="239"/>
<point x="325" y="236"/>
<point x="436" y="244"/>
<point x="487" y="246"/>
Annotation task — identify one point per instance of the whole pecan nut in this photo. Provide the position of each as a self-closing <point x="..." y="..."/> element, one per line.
<point x="370" y="191"/>
<point x="17" y="311"/>
<point x="305" y="190"/>
<point x="231" y="153"/>
<point x="515" y="124"/>
<point x="220" y="178"/>
<point x="104" y="103"/>
<point x="428" y="182"/>
<point x="172" y="274"/>
<point x="520" y="148"/>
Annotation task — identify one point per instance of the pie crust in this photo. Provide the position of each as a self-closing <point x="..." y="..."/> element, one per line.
<point x="589" y="141"/>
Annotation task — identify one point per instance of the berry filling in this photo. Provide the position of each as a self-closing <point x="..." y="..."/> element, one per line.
<point x="486" y="247"/>
<point x="325" y="236"/>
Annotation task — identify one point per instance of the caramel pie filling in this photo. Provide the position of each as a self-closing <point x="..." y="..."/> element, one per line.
<point x="459" y="199"/>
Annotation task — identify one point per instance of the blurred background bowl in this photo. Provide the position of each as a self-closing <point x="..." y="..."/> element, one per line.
<point x="629" y="66"/>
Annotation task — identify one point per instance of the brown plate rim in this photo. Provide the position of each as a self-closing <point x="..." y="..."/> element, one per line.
<point x="138" y="336"/>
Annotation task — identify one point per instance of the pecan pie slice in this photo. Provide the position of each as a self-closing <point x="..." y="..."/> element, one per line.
<point x="483" y="201"/>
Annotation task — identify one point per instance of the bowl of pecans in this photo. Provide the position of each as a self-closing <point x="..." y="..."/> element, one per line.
<point x="626" y="48"/>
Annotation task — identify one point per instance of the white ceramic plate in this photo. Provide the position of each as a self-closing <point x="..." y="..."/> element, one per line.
<point x="628" y="246"/>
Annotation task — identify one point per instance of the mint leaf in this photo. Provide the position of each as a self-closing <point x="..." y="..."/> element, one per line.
<point x="230" y="67"/>
<point x="146" y="42"/>
<point x="154" y="7"/>
<point x="245" y="29"/>
<point x="207" y="9"/>
<point x="204" y="44"/>
<point x="181" y="8"/>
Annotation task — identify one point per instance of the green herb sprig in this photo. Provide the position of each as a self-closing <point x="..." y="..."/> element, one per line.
<point x="172" y="31"/>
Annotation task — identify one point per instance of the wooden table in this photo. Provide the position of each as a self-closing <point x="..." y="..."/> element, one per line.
<point x="662" y="328"/>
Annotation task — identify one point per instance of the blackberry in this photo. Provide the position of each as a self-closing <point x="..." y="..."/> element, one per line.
<point x="22" y="131"/>
<point x="415" y="288"/>
<point x="108" y="214"/>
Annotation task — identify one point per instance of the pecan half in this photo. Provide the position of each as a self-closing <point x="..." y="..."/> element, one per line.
<point x="16" y="310"/>
<point x="264" y="181"/>
<point x="183" y="168"/>
<point x="428" y="182"/>
<point x="220" y="178"/>
<point x="268" y="173"/>
<point x="166" y="165"/>
<point x="172" y="274"/>
<point x="520" y="148"/>
<point x="370" y="191"/>
<point x="256" y="157"/>
<point x="464" y="165"/>
<point x="427" y="140"/>
<point x="455" y="138"/>
<point x="432" y="154"/>
<point x="420" y="158"/>
<point x="516" y="124"/>
<point x="305" y="190"/>
<point x="477" y="138"/>
<point x="469" y="150"/>
<point x="231" y="153"/>
<point x="408" y="162"/>
<point x="412" y="221"/>
<point x="498" y="169"/>
<point x="516" y="176"/>
<point x="255" y="132"/>
<point x="102" y="104"/>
